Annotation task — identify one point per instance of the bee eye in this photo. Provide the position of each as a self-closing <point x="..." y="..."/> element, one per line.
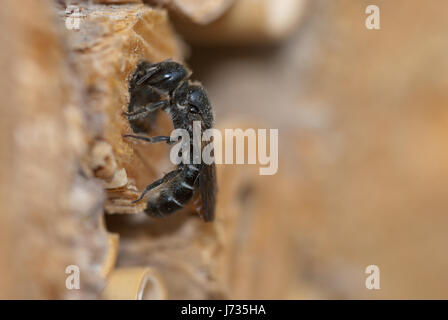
<point x="193" y="109"/>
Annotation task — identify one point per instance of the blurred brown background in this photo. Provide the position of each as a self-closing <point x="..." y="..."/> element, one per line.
<point x="363" y="168"/>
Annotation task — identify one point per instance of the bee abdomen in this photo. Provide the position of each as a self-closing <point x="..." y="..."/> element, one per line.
<point x="176" y="194"/>
<point x="164" y="205"/>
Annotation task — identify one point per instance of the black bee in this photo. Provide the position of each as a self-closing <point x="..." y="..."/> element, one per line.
<point x="165" y="86"/>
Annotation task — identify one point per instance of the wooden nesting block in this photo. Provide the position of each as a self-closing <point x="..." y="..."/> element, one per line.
<point x="50" y="209"/>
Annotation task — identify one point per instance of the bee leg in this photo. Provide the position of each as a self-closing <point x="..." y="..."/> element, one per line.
<point x="148" y="188"/>
<point x="157" y="183"/>
<point x="155" y="139"/>
<point x="143" y="112"/>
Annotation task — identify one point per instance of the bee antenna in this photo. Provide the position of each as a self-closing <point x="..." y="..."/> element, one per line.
<point x="149" y="73"/>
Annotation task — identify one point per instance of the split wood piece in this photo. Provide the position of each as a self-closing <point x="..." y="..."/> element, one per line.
<point x="107" y="47"/>
<point x="81" y="2"/>
<point x="135" y="284"/>
<point x="120" y="191"/>
<point x="248" y="22"/>
<point x="50" y="208"/>
<point x="120" y="201"/>
<point x="198" y="11"/>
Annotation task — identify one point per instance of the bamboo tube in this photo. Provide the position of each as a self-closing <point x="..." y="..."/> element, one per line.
<point x="248" y="22"/>
<point x="201" y="11"/>
<point x="134" y="284"/>
<point x="111" y="255"/>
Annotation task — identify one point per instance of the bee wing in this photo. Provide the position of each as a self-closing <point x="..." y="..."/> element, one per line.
<point x="207" y="191"/>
